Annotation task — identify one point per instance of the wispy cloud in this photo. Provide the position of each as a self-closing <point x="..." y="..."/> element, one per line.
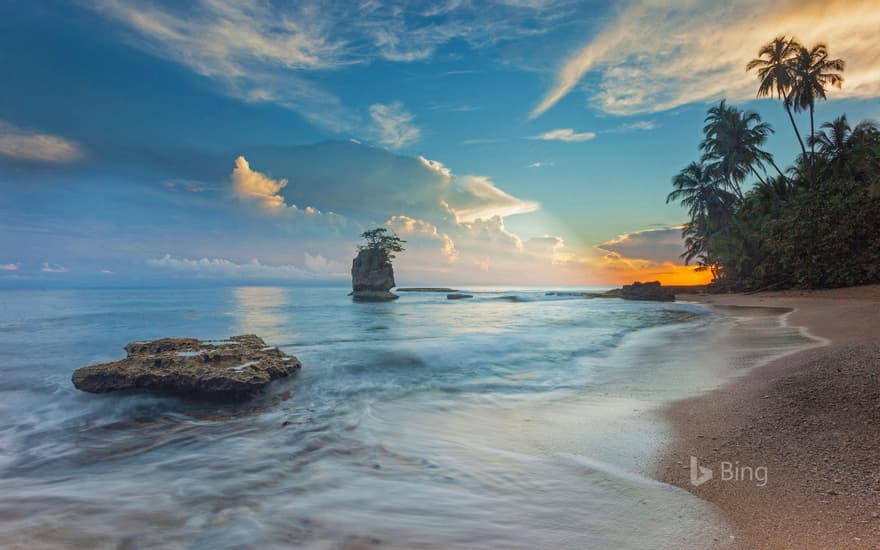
<point x="268" y="51"/>
<point x="482" y="141"/>
<point x="642" y="125"/>
<point x="8" y="267"/>
<point x="453" y="108"/>
<point x="393" y="125"/>
<point x="258" y="53"/>
<point x="53" y="268"/>
<point x="222" y="267"/>
<point x="654" y="57"/>
<point x="540" y="164"/>
<point x="28" y="145"/>
<point x="565" y="134"/>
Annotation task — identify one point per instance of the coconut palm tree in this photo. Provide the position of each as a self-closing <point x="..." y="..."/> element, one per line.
<point x="732" y="145"/>
<point x="848" y="152"/>
<point x="776" y="74"/>
<point x="698" y="189"/>
<point x="813" y="72"/>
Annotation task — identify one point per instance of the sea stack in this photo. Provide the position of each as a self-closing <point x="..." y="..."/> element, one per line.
<point x="372" y="276"/>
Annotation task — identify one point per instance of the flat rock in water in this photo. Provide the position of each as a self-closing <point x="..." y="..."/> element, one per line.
<point x="426" y="289"/>
<point x="458" y="296"/>
<point x="231" y="369"/>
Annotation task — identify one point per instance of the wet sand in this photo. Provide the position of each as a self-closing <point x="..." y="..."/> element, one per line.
<point x="811" y="418"/>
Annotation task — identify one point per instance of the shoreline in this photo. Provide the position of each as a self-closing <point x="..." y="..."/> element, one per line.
<point x="810" y="418"/>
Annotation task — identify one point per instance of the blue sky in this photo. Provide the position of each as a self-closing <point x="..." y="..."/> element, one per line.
<point x="518" y="142"/>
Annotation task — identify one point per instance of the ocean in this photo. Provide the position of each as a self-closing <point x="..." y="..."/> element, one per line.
<point x="511" y="420"/>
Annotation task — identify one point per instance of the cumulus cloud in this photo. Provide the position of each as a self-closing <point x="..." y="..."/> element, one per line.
<point x="565" y="134"/>
<point x="252" y="185"/>
<point x="8" y="267"/>
<point x="412" y="227"/>
<point x="655" y="56"/>
<point x="53" y="268"/>
<point x="319" y="264"/>
<point x="34" y="146"/>
<point x="393" y="125"/>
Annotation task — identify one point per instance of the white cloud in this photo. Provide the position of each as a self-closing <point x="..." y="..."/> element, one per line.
<point x="262" y="51"/>
<point x="252" y="185"/>
<point x="34" y="146"/>
<point x="222" y="267"/>
<point x="256" y="51"/>
<point x="655" y="56"/>
<point x="477" y="197"/>
<point x="641" y="125"/>
<point x="393" y="125"/>
<point x="565" y="134"/>
<point x="322" y="265"/>
<point x="436" y="166"/>
<point x="405" y="225"/>
<point x="8" y="267"/>
<point x="53" y="268"/>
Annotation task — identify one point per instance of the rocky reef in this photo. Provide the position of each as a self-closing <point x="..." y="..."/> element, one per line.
<point x="457" y="296"/>
<point x="232" y="369"/>
<point x="372" y="276"/>
<point x="652" y="291"/>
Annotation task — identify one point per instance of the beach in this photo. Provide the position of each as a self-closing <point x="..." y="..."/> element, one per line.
<point x="792" y="445"/>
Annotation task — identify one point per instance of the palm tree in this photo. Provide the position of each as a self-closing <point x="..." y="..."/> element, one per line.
<point x="732" y="145"/>
<point x="847" y="152"/>
<point x="813" y="72"/>
<point x="697" y="188"/>
<point x="776" y="74"/>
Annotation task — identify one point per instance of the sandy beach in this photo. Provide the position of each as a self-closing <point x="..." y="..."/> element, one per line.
<point x="809" y="421"/>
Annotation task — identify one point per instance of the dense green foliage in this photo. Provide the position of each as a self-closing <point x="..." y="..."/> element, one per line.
<point x="817" y="224"/>
<point x="380" y="239"/>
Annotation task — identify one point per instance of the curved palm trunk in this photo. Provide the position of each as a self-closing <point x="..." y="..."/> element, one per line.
<point x="812" y="147"/>
<point x="778" y="171"/>
<point x="794" y="125"/>
<point x="757" y="175"/>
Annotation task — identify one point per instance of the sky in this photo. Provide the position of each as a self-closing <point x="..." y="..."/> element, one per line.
<point x="518" y="142"/>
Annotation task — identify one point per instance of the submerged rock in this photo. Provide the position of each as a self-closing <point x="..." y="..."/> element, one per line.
<point x="224" y="369"/>
<point x="652" y="291"/>
<point x="426" y="289"/>
<point x="458" y="296"/>
<point x="372" y="276"/>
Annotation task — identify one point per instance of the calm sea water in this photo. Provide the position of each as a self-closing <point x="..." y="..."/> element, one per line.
<point x="513" y="420"/>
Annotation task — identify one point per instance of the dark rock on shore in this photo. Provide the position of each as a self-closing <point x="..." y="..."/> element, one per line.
<point x="652" y="291"/>
<point x="456" y="296"/>
<point x="372" y="276"/>
<point x="231" y="369"/>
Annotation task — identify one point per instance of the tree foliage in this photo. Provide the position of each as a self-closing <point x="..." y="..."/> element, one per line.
<point x="379" y="239"/>
<point x="815" y="225"/>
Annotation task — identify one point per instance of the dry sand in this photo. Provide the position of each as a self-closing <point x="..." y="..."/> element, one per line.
<point x="811" y="418"/>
